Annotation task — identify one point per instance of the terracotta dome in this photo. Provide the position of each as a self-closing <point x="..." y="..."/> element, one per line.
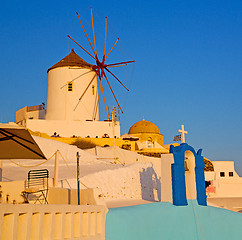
<point x="144" y="127"/>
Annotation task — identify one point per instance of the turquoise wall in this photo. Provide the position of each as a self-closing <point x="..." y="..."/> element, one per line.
<point x="165" y="221"/>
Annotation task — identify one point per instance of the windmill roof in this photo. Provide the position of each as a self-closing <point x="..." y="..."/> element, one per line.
<point x="71" y="60"/>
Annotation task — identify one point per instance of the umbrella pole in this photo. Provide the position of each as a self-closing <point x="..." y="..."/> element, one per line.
<point x="1" y="171"/>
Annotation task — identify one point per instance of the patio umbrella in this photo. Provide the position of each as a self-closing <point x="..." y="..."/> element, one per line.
<point x="17" y="143"/>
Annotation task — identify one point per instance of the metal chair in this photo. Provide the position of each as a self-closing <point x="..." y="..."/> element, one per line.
<point x="37" y="186"/>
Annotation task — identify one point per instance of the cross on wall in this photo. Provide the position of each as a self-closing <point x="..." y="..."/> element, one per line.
<point x="183" y="132"/>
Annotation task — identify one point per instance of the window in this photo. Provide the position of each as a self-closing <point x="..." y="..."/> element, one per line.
<point x="149" y="142"/>
<point x="231" y="174"/>
<point x="222" y="174"/>
<point x="93" y="90"/>
<point x="69" y="86"/>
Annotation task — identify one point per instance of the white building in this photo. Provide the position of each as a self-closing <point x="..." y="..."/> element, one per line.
<point x="224" y="181"/>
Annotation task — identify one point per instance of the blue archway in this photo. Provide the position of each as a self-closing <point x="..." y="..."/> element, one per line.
<point x="178" y="175"/>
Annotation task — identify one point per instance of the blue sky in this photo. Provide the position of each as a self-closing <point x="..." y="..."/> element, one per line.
<point x="188" y="63"/>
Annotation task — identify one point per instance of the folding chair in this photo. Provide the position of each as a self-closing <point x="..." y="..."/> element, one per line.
<point x="37" y="186"/>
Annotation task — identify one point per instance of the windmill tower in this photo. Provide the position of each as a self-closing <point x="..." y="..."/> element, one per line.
<point x="69" y="79"/>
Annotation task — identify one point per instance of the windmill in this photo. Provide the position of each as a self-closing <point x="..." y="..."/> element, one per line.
<point x="101" y="68"/>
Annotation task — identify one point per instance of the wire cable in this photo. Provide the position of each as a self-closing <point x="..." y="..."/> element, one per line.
<point x="32" y="165"/>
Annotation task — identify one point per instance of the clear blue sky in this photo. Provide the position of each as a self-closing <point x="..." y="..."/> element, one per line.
<point x="188" y="62"/>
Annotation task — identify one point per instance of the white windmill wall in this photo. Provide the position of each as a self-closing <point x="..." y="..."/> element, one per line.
<point x="61" y="102"/>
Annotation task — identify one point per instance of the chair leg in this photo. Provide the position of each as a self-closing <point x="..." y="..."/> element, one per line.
<point x="25" y="196"/>
<point x="42" y="198"/>
<point x="37" y="199"/>
<point x="45" y="197"/>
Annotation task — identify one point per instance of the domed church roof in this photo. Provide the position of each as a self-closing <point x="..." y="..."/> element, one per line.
<point x="71" y="60"/>
<point x="144" y="127"/>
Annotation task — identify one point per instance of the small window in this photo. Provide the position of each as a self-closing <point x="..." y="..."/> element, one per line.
<point x="93" y="90"/>
<point x="69" y="86"/>
<point x="231" y="174"/>
<point x="207" y="183"/>
<point x="222" y="174"/>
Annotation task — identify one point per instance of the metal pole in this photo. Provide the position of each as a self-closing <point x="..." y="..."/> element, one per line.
<point x="78" y="178"/>
<point x="56" y="172"/>
<point x="113" y="117"/>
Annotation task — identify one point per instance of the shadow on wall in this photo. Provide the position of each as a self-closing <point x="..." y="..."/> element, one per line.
<point x="150" y="185"/>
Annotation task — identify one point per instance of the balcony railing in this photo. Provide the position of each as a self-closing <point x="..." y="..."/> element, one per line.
<point x="35" y="108"/>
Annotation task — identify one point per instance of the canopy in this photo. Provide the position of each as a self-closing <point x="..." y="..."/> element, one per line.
<point x="129" y="137"/>
<point x="17" y="143"/>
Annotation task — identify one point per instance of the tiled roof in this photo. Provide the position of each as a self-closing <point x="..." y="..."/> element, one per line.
<point x="71" y="60"/>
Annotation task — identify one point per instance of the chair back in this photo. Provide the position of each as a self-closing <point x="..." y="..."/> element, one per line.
<point x="38" y="178"/>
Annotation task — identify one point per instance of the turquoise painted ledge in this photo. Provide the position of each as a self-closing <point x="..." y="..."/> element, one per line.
<point x="165" y="221"/>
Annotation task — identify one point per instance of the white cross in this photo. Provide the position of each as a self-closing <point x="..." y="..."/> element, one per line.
<point x="183" y="132"/>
